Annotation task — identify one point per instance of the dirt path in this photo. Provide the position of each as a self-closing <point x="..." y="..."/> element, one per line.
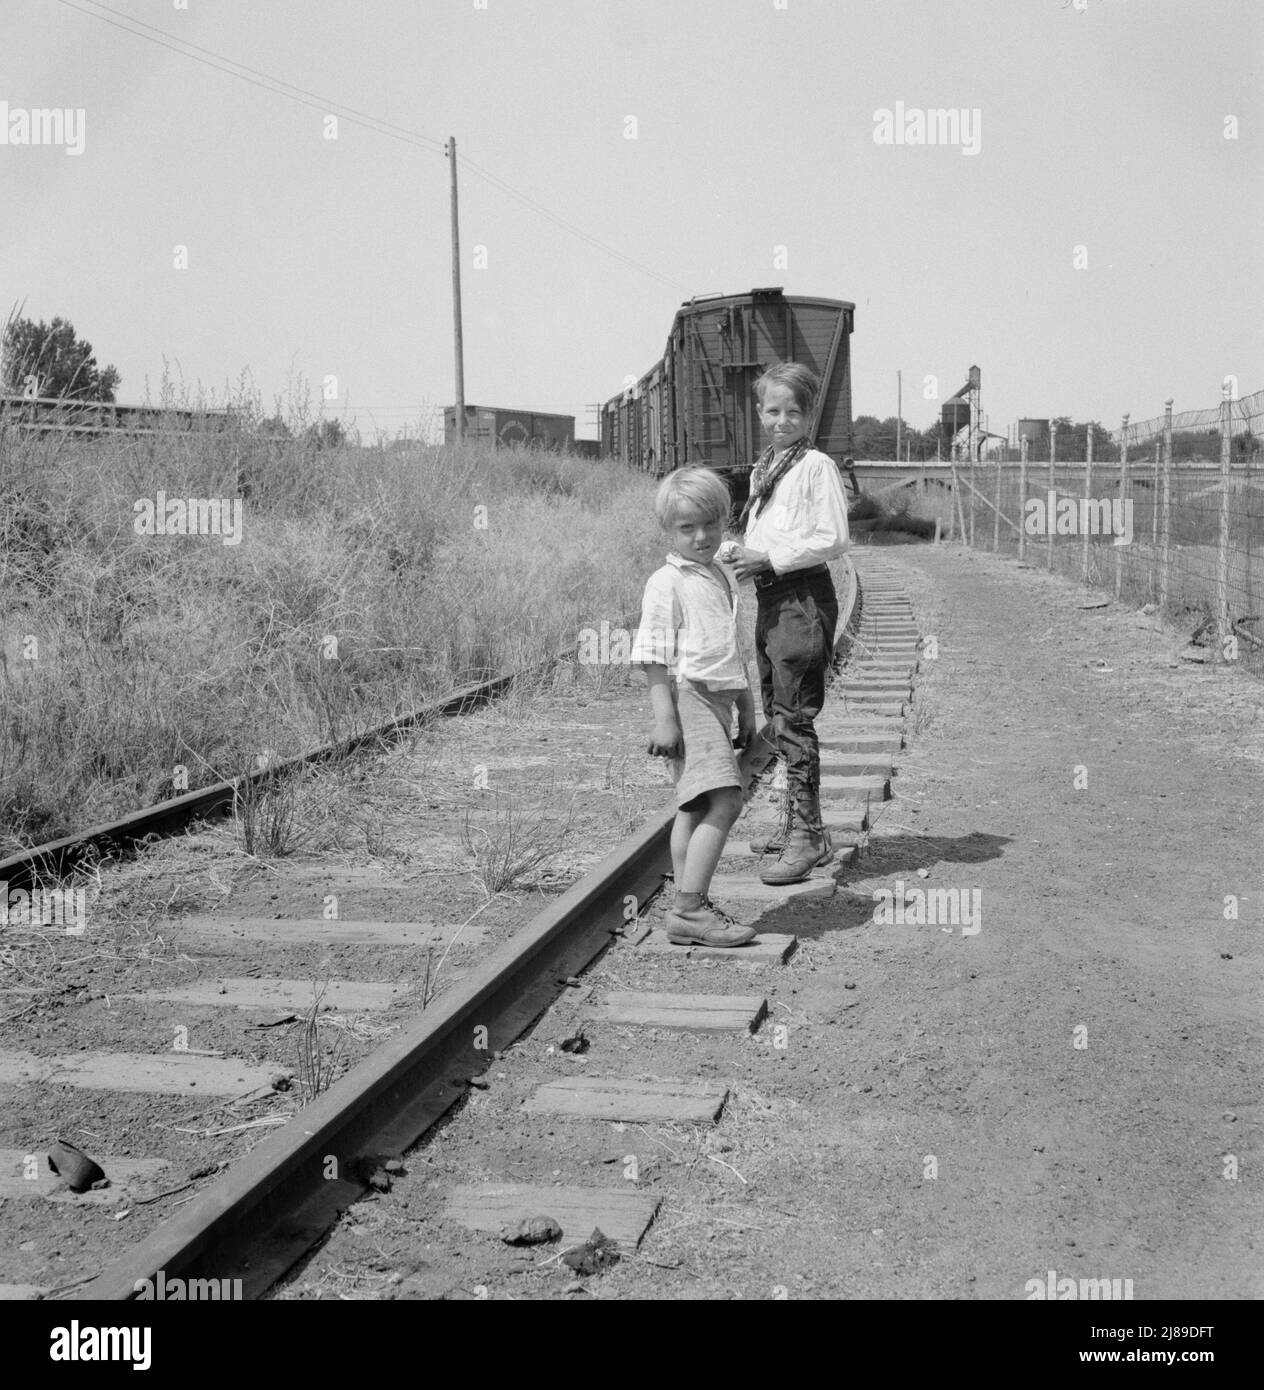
<point x="1102" y="909"/>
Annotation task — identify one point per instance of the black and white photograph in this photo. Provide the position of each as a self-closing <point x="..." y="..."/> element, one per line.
<point x="631" y="668"/>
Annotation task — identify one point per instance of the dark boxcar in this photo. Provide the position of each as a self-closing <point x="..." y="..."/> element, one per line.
<point x="695" y="406"/>
<point x="506" y="427"/>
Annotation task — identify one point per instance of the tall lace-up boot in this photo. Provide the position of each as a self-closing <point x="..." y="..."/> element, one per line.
<point x="807" y="845"/>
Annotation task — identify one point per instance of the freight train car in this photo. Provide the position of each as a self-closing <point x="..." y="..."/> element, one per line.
<point x="696" y="406"/>
<point x="507" y="427"/>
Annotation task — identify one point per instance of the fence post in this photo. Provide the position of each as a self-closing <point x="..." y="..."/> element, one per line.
<point x="1224" y="620"/>
<point x="1166" y="542"/>
<point x="1022" y="499"/>
<point x="996" y="516"/>
<point x="1123" y="493"/>
<point x="1088" y="508"/>
<point x="1248" y="518"/>
<point x="1154" y="521"/>
<point x="959" y="515"/>
<point x="1051" y="509"/>
<point x="972" y="500"/>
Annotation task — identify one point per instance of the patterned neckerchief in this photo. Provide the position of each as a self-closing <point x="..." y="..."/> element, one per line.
<point x="764" y="478"/>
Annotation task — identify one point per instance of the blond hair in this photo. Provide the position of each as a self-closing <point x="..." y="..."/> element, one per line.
<point x="699" y="486"/>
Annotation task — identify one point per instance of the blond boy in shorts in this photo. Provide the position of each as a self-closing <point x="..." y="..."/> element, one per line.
<point x="687" y="645"/>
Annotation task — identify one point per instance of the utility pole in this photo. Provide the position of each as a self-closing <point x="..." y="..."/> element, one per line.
<point x="456" y="300"/>
<point x="899" y="411"/>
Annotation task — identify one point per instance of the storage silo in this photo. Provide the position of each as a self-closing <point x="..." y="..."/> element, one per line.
<point x="954" y="415"/>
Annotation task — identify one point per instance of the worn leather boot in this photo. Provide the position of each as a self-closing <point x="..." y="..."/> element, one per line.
<point x="807" y="846"/>
<point x="773" y="841"/>
<point x="705" y="926"/>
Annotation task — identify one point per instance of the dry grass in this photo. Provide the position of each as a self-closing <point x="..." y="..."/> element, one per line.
<point x="367" y="581"/>
<point x="925" y="722"/>
<point x="514" y="844"/>
<point x="319" y="1063"/>
<point x="266" y="811"/>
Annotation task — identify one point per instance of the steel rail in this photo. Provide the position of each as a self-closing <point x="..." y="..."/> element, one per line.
<point x="58" y="857"/>
<point x="270" y="1208"/>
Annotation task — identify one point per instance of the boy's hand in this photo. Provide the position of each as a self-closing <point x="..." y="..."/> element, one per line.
<point x="665" y="741"/>
<point x="745" y="727"/>
<point x="748" y="563"/>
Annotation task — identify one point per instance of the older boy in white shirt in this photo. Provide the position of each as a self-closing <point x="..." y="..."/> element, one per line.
<point x="796" y="521"/>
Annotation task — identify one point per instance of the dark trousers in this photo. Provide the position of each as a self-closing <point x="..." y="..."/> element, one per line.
<point x="794" y="646"/>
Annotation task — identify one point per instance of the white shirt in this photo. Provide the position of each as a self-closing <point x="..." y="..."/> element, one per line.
<point x="689" y="624"/>
<point x="804" y="522"/>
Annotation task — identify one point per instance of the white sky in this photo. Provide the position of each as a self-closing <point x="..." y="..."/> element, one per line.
<point x="1101" y="126"/>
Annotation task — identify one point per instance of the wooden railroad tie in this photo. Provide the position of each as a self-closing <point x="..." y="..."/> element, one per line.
<point x="618" y="1099"/>
<point x="490" y="1206"/>
<point x="698" y="1013"/>
<point x="176" y="1073"/>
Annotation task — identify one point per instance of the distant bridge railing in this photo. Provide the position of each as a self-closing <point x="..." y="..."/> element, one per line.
<point x="62" y="415"/>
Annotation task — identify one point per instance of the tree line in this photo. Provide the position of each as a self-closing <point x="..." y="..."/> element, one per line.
<point x="50" y="360"/>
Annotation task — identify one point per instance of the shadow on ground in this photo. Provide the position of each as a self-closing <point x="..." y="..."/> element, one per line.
<point x="908" y="853"/>
<point x="893" y="856"/>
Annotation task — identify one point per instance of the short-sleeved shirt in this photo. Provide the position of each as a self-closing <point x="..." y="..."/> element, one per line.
<point x="689" y="624"/>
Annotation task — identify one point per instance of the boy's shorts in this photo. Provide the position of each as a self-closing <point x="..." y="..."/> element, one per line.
<point x="710" y="761"/>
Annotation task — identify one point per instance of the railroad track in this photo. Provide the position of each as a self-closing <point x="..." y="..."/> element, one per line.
<point x="58" y="858"/>
<point x="255" y="1220"/>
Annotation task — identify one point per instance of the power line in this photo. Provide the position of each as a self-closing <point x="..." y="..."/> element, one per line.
<point x="185" y="48"/>
<point x="276" y="85"/>
<point x="488" y="177"/>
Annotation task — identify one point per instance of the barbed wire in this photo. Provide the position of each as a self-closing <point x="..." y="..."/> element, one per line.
<point x="1246" y="415"/>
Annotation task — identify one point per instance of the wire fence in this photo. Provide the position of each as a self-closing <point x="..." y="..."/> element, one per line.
<point x="1183" y="535"/>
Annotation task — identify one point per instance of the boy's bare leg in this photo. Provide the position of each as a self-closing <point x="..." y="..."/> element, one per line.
<point x="706" y="843"/>
<point x="691" y="921"/>
<point x="682" y="833"/>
